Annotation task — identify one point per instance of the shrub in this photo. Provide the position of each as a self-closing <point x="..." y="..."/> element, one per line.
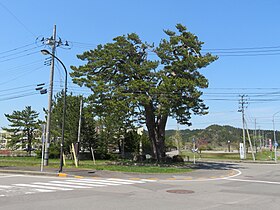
<point x="178" y="159"/>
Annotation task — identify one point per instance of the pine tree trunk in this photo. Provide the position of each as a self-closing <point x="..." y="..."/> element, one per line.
<point x="29" y="142"/>
<point x="156" y="130"/>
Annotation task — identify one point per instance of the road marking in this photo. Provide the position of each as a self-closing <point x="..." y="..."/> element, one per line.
<point x="28" y="193"/>
<point x="77" y="182"/>
<point x="254" y="181"/>
<point x="5" y="186"/>
<point x="44" y="190"/>
<point x="104" y="182"/>
<point x="65" y="185"/>
<point x="201" y="179"/>
<point x="62" y="175"/>
<point x="9" y="176"/>
<point x="127" y="181"/>
<point x="149" y="180"/>
<point x="99" y="182"/>
<point x="40" y="186"/>
<point x="60" y="184"/>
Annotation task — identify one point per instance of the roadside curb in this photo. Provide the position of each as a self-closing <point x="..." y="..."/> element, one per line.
<point x="173" y="177"/>
<point x="39" y="173"/>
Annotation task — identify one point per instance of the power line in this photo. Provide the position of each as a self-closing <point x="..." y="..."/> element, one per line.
<point x="19" y="96"/>
<point x="251" y="55"/>
<point x="223" y="52"/>
<point x="21" y="75"/>
<point x="21" y="56"/>
<point x="240" y="48"/>
<point x="18" y="88"/>
<point x="23" y="51"/>
<point x="17" y="48"/>
<point x="17" y="19"/>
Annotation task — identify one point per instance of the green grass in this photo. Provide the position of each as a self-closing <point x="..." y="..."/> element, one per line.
<point x="127" y="166"/>
<point x="261" y="156"/>
<point x="100" y="165"/>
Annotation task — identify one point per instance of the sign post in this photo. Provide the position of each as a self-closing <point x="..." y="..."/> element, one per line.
<point x="241" y="150"/>
<point x="275" y="151"/>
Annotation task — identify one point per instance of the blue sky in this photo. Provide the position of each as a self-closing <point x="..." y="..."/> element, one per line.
<point x="246" y="32"/>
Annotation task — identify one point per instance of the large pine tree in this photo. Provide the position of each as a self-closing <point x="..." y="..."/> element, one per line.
<point x="124" y="78"/>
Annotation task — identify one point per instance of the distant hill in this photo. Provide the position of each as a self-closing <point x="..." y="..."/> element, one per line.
<point x="218" y="136"/>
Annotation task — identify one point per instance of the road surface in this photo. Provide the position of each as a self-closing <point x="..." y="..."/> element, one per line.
<point x="245" y="186"/>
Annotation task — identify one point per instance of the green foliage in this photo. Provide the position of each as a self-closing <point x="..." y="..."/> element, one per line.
<point x="71" y="119"/>
<point x="215" y="136"/>
<point x="89" y="137"/>
<point x="131" y="142"/>
<point x="146" y="144"/>
<point x="54" y="150"/>
<point x="176" y="140"/>
<point x="23" y="126"/>
<point x="129" y="87"/>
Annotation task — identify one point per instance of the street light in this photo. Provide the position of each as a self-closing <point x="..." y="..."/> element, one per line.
<point x="46" y="52"/>
<point x="274" y="134"/>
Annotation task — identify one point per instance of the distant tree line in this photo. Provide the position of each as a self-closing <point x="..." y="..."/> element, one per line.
<point x="217" y="137"/>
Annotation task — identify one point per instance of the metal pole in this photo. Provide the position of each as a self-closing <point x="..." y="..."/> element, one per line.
<point x="43" y="147"/>
<point x="46" y="156"/>
<point x="275" y="140"/>
<point x="45" y="52"/>
<point x="63" y="121"/>
<point x="193" y="151"/>
<point x="79" y="129"/>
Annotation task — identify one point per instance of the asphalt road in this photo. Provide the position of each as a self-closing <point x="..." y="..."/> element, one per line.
<point x="242" y="186"/>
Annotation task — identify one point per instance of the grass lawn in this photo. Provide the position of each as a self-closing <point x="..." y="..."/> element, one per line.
<point x="261" y="156"/>
<point x="100" y="165"/>
<point x="126" y="166"/>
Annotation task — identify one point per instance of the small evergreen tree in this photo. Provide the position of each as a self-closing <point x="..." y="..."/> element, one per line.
<point x="23" y="125"/>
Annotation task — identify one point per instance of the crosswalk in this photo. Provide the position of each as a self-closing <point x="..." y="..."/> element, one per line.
<point x="65" y="185"/>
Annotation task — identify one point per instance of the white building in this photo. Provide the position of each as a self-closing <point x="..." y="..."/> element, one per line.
<point x="4" y="135"/>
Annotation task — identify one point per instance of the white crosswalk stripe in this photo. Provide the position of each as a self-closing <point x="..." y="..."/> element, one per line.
<point x="44" y="190"/>
<point x="103" y="182"/>
<point x="127" y="181"/>
<point x="5" y="186"/>
<point x="61" y="184"/>
<point x="65" y="185"/>
<point x="96" y="182"/>
<point x="82" y="183"/>
<point x="41" y="187"/>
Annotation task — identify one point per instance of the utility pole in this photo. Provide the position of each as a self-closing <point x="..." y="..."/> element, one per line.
<point x="254" y="159"/>
<point x="242" y="107"/>
<point x="52" y="42"/>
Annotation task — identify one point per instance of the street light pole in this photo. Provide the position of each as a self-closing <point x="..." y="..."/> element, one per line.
<point x="46" y="52"/>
